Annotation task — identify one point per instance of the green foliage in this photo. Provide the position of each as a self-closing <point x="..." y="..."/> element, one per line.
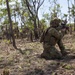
<point x="30" y="25"/>
<point x="15" y="24"/>
<point x="20" y="30"/>
<point x="43" y="24"/>
<point x="1" y="59"/>
<point x="71" y="25"/>
<point x="54" y="73"/>
<point x="72" y="10"/>
<point x="68" y="67"/>
<point x="7" y="41"/>
<point x="46" y="16"/>
<point x="18" y="10"/>
<point x="25" y="14"/>
<point x="5" y="21"/>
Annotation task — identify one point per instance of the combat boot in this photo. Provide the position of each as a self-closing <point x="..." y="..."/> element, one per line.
<point x="64" y="53"/>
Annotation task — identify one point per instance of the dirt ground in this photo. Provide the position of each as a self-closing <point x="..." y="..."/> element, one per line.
<point x="29" y="62"/>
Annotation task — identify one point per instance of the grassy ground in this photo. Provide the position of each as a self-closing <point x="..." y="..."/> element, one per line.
<point x="29" y="63"/>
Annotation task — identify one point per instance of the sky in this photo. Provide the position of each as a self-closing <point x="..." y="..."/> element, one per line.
<point x="45" y="7"/>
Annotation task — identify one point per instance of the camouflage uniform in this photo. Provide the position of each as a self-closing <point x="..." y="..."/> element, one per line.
<point x="51" y="38"/>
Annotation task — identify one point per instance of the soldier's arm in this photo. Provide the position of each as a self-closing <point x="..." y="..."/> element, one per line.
<point x="55" y="33"/>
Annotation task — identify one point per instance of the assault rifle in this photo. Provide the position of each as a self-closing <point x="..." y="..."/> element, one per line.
<point x="62" y="26"/>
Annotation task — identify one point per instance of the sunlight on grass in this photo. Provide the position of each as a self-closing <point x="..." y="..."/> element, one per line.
<point x="7" y="41"/>
<point x="68" y="67"/>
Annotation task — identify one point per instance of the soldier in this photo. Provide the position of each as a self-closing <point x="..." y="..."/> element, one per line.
<point x="50" y="38"/>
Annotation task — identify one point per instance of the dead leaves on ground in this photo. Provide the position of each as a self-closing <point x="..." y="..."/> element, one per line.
<point x="31" y="64"/>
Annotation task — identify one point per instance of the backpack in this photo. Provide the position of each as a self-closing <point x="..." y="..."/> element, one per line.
<point x="44" y="34"/>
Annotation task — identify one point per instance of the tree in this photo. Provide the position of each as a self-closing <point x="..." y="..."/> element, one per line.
<point x="47" y="17"/>
<point x="74" y="15"/>
<point x="33" y="7"/>
<point x="11" y="30"/>
<point x="55" y="9"/>
<point x="69" y="16"/>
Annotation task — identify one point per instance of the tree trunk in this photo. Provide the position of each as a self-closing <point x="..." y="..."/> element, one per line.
<point x="74" y="23"/>
<point x="31" y="36"/>
<point x="11" y="30"/>
<point x="69" y="17"/>
<point x="74" y="16"/>
<point x="35" y="30"/>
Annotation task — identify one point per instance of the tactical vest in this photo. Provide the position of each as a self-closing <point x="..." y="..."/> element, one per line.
<point x="48" y="38"/>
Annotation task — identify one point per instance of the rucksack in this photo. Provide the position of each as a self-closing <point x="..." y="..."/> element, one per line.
<point x="44" y="34"/>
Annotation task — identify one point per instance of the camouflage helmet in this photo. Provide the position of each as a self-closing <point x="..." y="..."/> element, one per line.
<point x="55" y="22"/>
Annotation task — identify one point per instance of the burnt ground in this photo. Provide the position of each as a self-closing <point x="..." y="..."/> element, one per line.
<point x="29" y="62"/>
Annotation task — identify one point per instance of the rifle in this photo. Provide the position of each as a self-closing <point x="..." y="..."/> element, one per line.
<point x="62" y="26"/>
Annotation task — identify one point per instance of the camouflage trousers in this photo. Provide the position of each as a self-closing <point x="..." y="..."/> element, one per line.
<point x="61" y="47"/>
<point x="50" y="52"/>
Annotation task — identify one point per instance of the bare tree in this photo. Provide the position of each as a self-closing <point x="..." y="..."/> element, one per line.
<point x="33" y="7"/>
<point x="10" y="29"/>
<point x="69" y="16"/>
<point x="74" y="15"/>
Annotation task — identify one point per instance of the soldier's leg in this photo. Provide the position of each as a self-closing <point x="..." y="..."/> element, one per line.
<point x="45" y="53"/>
<point x="51" y="53"/>
<point x="61" y="46"/>
<point x="54" y="53"/>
